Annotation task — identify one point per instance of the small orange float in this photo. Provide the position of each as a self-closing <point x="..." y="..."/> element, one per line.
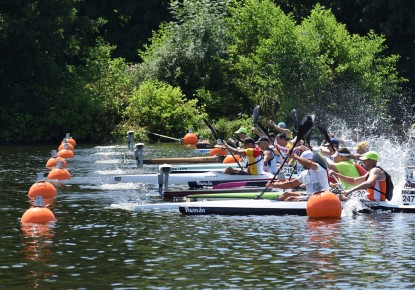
<point x="70" y="139"/>
<point x="54" y="159"/>
<point x="59" y="173"/>
<point x="66" y="153"/>
<point x="218" y="151"/>
<point x="67" y="146"/>
<point x="324" y="205"/>
<point x="230" y="159"/>
<point x="42" y="188"/>
<point x="38" y="213"/>
<point x="190" y="138"/>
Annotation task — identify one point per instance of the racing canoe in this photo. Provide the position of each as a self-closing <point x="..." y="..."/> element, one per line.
<point x="182" y="194"/>
<point x="275" y="207"/>
<point x="194" y="168"/>
<point x="184" y="178"/>
<point x="178" y="160"/>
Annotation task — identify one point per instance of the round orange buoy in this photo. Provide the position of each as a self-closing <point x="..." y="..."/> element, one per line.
<point x="53" y="160"/>
<point x="68" y="146"/>
<point x="66" y="153"/>
<point x="71" y="141"/>
<point x="190" y="138"/>
<point x="59" y="173"/>
<point x="38" y="215"/>
<point x="218" y="151"/>
<point x="42" y="188"/>
<point x="230" y="159"/>
<point x="324" y="205"/>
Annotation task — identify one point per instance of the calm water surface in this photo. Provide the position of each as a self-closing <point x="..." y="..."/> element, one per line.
<point x="93" y="245"/>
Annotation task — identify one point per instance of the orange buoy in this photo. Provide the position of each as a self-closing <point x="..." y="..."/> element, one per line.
<point x="70" y="139"/>
<point x="190" y="138"/>
<point x="42" y="188"/>
<point x="59" y="173"/>
<point x="38" y="215"/>
<point x="230" y="159"/>
<point x="68" y="145"/>
<point x="324" y="205"/>
<point x="218" y="151"/>
<point x="52" y="162"/>
<point x="66" y="153"/>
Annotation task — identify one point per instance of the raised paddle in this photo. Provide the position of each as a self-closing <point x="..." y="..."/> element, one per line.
<point x="255" y="116"/>
<point x="216" y="135"/>
<point x="323" y="131"/>
<point x="293" y="115"/>
<point x="302" y="131"/>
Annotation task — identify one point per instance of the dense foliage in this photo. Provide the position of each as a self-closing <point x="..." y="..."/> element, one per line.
<point x="86" y="67"/>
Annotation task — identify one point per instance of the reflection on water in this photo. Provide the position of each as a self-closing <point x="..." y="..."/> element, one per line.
<point x="92" y="245"/>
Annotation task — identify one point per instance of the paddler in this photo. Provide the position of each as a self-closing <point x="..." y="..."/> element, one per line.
<point x="374" y="181"/>
<point x="344" y="164"/>
<point x="253" y="155"/>
<point x="270" y="158"/>
<point x="314" y="177"/>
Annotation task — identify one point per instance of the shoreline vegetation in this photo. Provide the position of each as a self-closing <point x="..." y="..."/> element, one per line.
<point x="99" y="72"/>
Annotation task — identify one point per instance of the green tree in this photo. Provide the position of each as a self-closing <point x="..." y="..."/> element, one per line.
<point x="160" y="107"/>
<point x="303" y="64"/>
<point x="187" y="52"/>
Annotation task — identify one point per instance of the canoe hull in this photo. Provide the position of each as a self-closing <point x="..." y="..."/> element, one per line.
<point x="205" y="159"/>
<point x="184" y="178"/>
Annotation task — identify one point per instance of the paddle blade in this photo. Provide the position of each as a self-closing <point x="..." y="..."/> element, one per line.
<point x="323" y="131"/>
<point x="255" y="115"/>
<point x="305" y="127"/>
<point x="276" y="107"/>
<point x="293" y="115"/>
<point x="212" y="130"/>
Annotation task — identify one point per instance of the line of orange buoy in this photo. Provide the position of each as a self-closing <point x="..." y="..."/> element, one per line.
<point x="43" y="190"/>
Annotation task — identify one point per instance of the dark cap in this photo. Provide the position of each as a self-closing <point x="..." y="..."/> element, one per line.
<point x="262" y="139"/>
<point x="283" y="136"/>
<point x="248" y="140"/>
<point x="344" y="152"/>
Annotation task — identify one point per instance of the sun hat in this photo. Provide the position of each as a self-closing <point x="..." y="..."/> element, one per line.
<point x="248" y="140"/>
<point x="262" y="139"/>
<point x="307" y="155"/>
<point x="344" y="152"/>
<point x="282" y="124"/>
<point x="363" y="144"/>
<point x="241" y="130"/>
<point x="371" y="155"/>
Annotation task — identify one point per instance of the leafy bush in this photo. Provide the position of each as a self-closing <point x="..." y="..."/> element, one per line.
<point x="161" y="108"/>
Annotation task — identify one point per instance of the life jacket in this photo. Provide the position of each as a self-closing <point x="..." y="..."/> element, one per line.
<point x="377" y="192"/>
<point x="254" y="156"/>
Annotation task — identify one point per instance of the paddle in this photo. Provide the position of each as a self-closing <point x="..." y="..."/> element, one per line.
<point x="302" y="131"/>
<point x="216" y="135"/>
<point x="164" y="136"/>
<point x="293" y="115"/>
<point x="255" y="116"/>
<point x="323" y="131"/>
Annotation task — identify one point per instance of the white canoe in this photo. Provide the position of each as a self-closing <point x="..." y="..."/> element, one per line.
<point x="273" y="207"/>
<point x="184" y="178"/>
<point x="195" y="168"/>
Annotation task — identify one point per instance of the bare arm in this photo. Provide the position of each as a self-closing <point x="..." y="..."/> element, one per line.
<point x="285" y="184"/>
<point x="347" y="179"/>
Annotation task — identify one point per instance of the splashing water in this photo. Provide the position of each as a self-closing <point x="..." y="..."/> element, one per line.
<point x="396" y="152"/>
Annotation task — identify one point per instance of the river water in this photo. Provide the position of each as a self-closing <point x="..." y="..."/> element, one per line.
<point x="92" y="244"/>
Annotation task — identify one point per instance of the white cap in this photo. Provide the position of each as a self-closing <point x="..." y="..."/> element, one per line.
<point x="307" y="154"/>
